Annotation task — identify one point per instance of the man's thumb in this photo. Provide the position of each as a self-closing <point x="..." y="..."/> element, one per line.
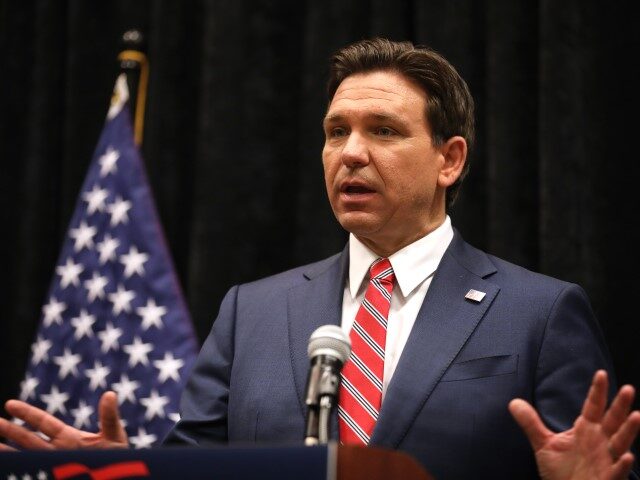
<point x="112" y="428"/>
<point x="529" y="420"/>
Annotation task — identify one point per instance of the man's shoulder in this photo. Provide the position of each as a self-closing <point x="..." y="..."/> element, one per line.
<point x="511" y="269"/>
<point x="504" y="272"/>
<point x="295" y="276"/>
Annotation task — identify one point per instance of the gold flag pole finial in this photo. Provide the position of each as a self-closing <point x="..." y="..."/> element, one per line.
<point x="133" y="61"/>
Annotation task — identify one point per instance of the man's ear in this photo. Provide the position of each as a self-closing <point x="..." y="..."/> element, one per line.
<point x="454" y="152"/>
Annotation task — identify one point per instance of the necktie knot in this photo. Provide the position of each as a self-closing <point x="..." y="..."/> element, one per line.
<point x="382" y="270"/>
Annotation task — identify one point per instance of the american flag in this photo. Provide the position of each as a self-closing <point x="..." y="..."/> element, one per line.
<point x="114" y="318"/>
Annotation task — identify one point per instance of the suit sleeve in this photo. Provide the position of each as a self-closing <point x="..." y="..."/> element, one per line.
<point x="204" y="403"/>
<point x="573" y="348"/>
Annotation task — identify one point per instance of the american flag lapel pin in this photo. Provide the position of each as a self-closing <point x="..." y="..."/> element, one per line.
<point x="475" y="295"/>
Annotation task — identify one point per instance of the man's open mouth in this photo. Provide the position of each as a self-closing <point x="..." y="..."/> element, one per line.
<point x="357" y="189"/>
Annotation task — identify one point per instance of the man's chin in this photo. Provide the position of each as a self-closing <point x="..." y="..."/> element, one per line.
<point x="359" y="223"/>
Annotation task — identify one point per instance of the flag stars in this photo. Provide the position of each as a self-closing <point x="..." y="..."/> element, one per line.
<point x="118" y="211"/>
<point x="108" y="161"/>
<point x="107" y="248"/>
<point x="82" y="415"/>
<point x="68" y="363"/>
<point x="95" y="286"/>
<point x="53" y="312"/>
<point x="168" y="367"/>
<point x="151" y="314"/>
<point x="83" y="236"/>
<point x="83" y="323"/>
<point x="69" y="273"/>
<point x="138" y="352"/>
<point x="133" y="262"/>
<point x="121" y="300"/>
<point x="109" y="337"/>
<point x="105" y="324"/>
<point x="125" y="389"/>
<point x="155" y="405"/>
<point x="28" y="387"/>
<point x="55" y="401"/>
<point x="95" y="199"/>
<point x="97" y="375"/>
<point x="40" y="350"/>
<point x="143" y="439"/>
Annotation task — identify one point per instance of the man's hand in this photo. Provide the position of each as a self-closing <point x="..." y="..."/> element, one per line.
<point x="596" y="447"/>
<point x="62" y="436"/>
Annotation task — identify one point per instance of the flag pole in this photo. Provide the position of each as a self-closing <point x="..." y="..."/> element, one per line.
<point x="134" y="63"/>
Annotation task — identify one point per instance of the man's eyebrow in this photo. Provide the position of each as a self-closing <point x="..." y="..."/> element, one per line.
<point x="338" y="117"/>
<point x="332" y="118"/>
<point x="388" y="117"/>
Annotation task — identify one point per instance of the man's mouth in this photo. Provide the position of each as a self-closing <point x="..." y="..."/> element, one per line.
<point x="357" y="189"/>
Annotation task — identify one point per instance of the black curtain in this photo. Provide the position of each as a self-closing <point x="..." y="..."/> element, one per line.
<point x="233" y="139"/>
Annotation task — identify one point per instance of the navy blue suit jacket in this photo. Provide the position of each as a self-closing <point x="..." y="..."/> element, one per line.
<point x="531" y="336"/>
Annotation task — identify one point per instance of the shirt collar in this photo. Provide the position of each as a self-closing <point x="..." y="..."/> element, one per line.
<point x="412" y="265"/>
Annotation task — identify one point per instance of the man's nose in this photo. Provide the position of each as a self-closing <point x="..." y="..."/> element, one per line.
<point x="355" y="152"/>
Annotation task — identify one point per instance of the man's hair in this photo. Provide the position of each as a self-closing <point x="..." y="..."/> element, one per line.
<point x="450" y="109"/>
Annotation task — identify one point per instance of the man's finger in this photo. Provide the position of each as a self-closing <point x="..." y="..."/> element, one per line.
<point x="112" y="429"/>
<point x="22" y="436"/>
<point x="618" y="411"/>
<point x="529" y="420"/>
<point x="621" y="441"/>
<point x="39" y="419"/>
<point x="6" y="448"/>
<point x="596" y="401"/>
<point x="622" y="468"/>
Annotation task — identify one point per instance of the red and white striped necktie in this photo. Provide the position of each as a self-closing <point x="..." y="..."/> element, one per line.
<point x="361" y="387"/>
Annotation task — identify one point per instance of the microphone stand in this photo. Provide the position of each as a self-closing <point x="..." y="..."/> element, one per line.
<point x="324" y="419"/>
<point x="322" y="391"/>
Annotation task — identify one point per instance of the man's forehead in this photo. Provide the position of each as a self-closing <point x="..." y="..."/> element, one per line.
<point x="377" y="84"/>
<point x="384" y="86"/>
<point x="379" y="95"/>
<point x="368" y="90"/>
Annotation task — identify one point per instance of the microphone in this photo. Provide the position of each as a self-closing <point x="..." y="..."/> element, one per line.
<point x="329" y="347"/>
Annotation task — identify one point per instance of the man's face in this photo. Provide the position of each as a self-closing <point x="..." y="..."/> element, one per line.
<point x="382" y="171"/>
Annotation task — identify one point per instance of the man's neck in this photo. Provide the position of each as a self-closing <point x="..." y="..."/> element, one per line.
<point x="387" y="247"/>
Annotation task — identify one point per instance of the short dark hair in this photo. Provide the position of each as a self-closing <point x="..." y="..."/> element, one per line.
<point x="450" y="107"/>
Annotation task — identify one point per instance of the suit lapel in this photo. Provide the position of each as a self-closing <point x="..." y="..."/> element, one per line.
<point x="312" y="304"/>
<point x="444" y="323"/>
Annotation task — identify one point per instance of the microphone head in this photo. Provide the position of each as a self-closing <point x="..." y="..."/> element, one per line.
<point x="329" y="340"/>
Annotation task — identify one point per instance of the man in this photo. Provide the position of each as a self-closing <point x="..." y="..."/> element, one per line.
<point x="444" y="336"/>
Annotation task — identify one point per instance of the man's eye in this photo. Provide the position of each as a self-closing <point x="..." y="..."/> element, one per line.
<point x="338" y="132"/>
<point x="385" y="131"/>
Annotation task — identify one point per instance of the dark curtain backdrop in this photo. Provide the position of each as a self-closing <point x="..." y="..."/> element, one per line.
<point x="233" y="139"/>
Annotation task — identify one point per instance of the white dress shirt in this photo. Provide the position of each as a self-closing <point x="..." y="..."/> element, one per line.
<point x="414" y="267"/>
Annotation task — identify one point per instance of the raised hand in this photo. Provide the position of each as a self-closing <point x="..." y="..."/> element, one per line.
<point x="596" y="447"/>
<point x="61" y="435"/>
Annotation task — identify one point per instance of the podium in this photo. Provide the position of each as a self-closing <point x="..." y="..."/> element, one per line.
<point x="330" y="462"/>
